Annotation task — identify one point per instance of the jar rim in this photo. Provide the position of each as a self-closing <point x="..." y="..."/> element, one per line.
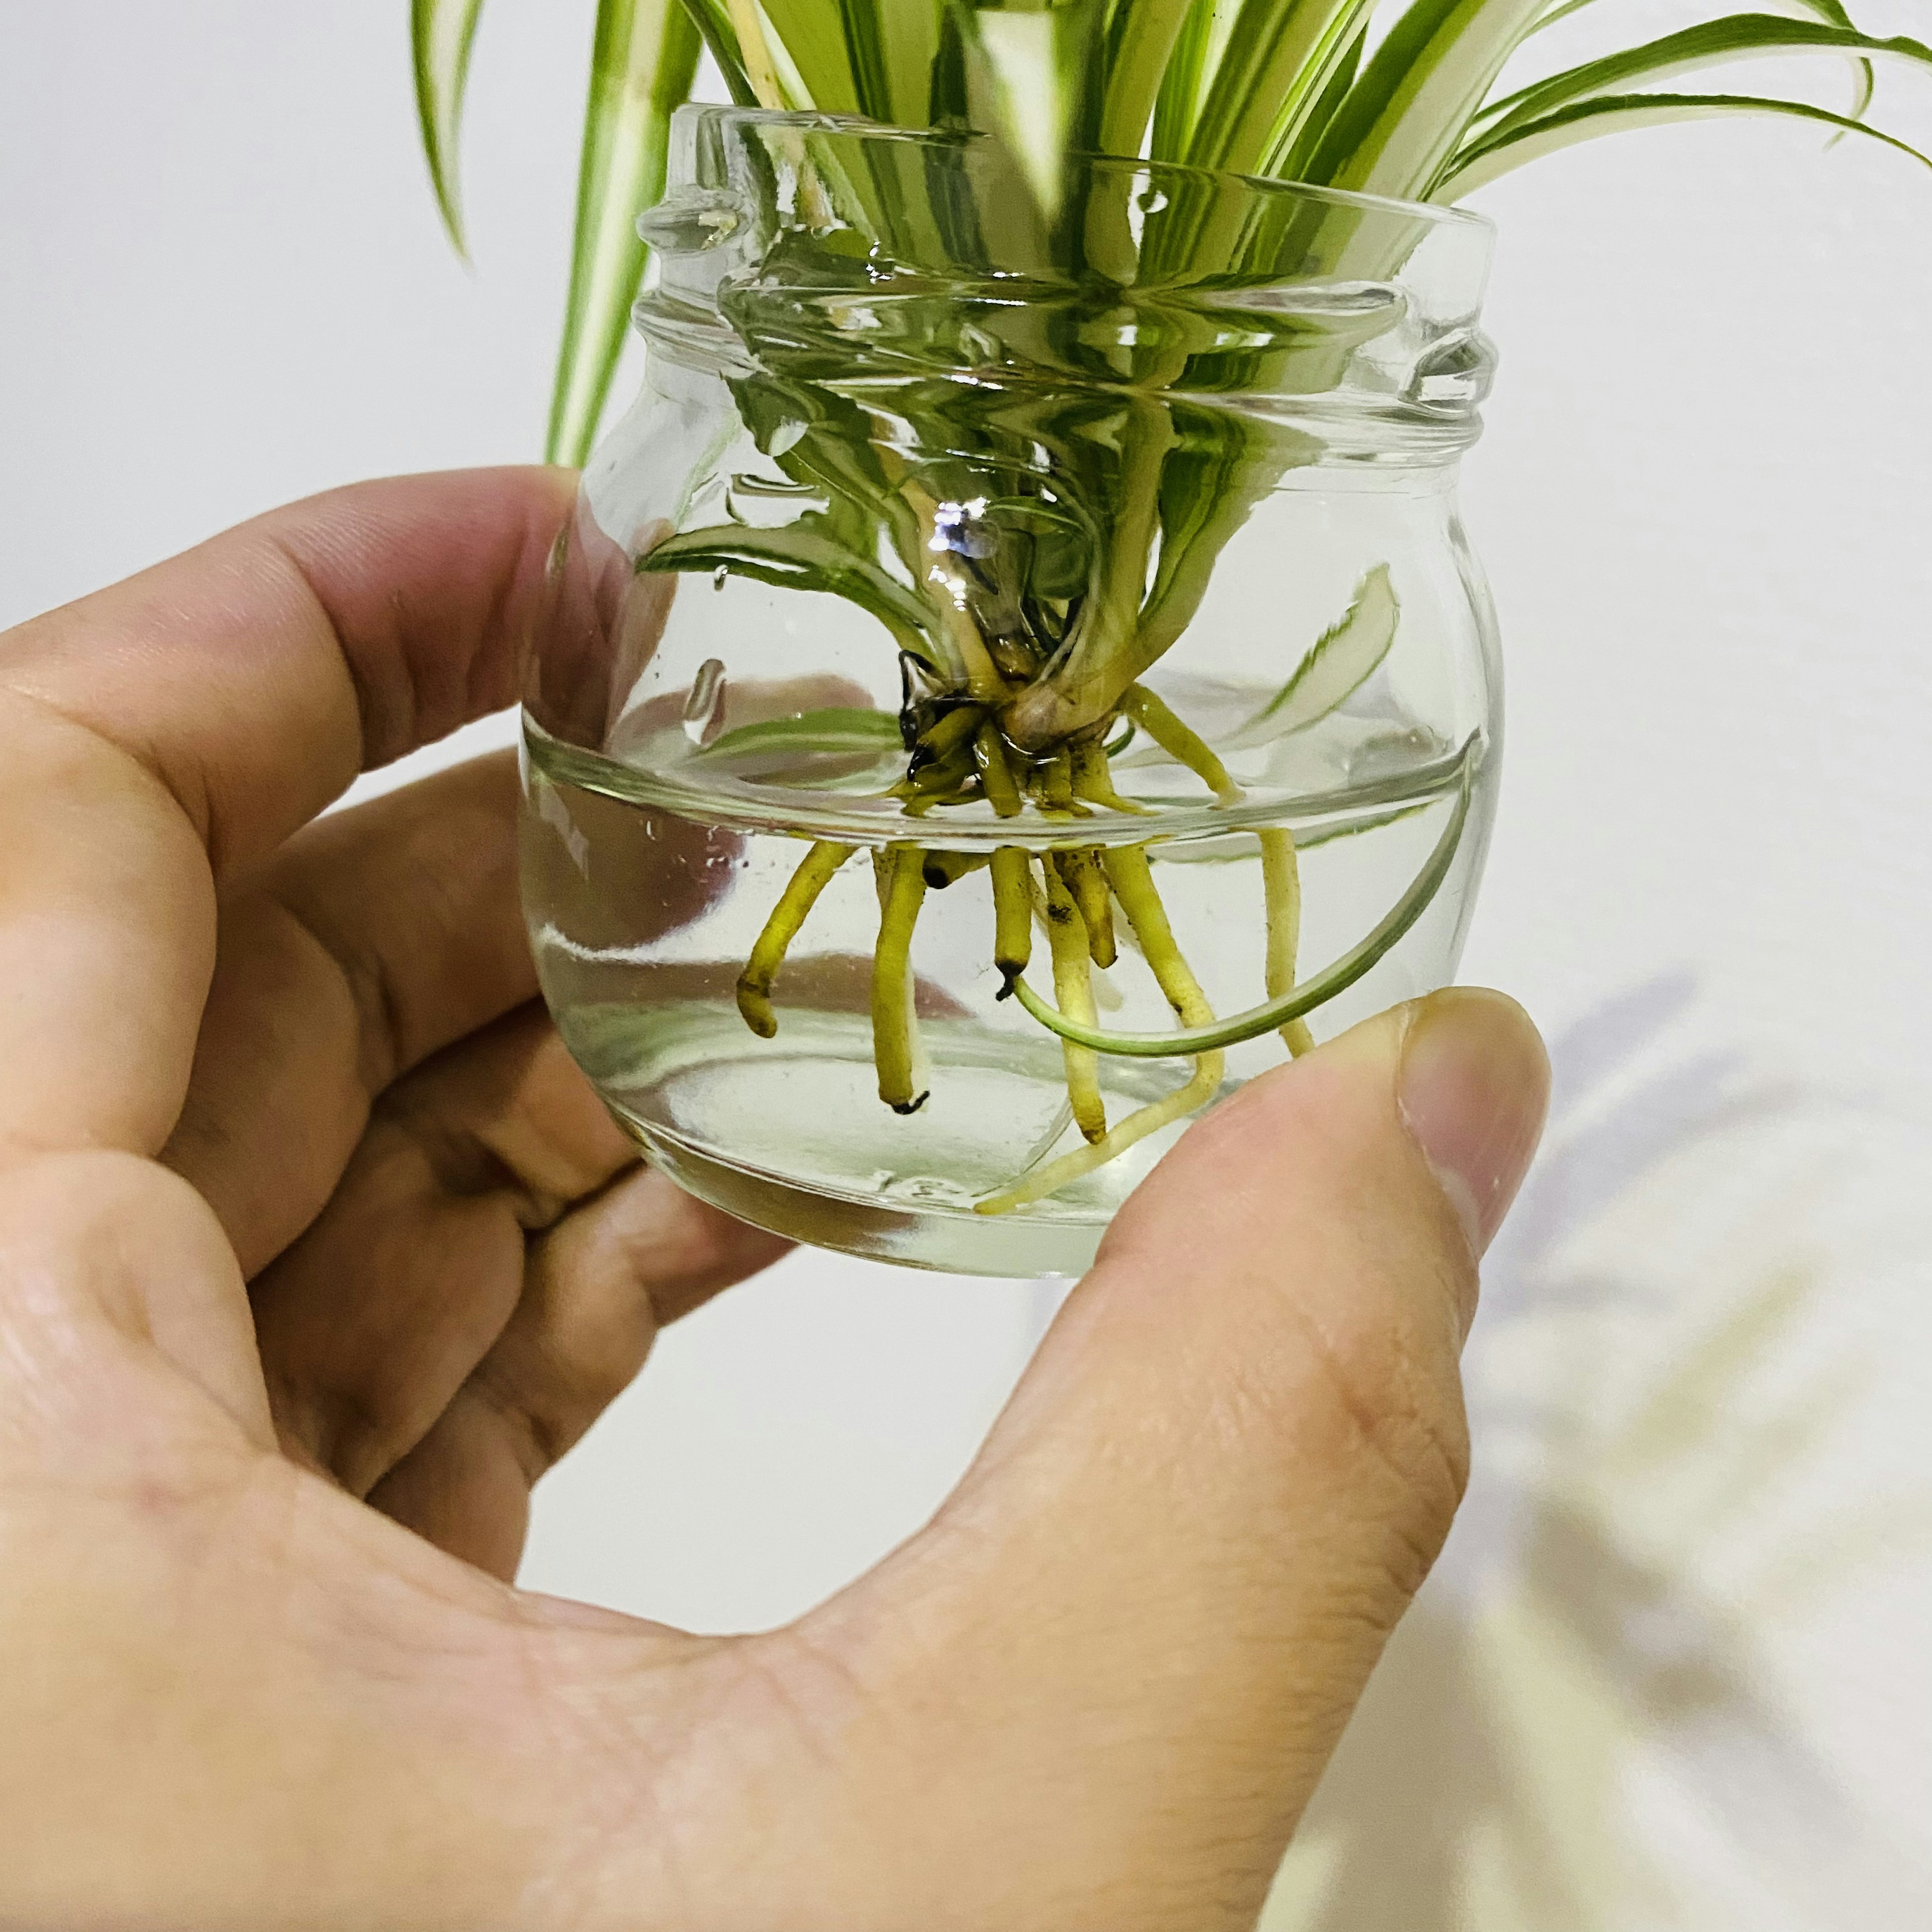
<point x="1447" y="216"/>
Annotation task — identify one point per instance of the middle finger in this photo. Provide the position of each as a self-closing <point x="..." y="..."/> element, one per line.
<point x="374" y="938"/>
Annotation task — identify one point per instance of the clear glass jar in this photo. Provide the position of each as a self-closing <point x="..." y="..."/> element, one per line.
<point x="965" y="559"/>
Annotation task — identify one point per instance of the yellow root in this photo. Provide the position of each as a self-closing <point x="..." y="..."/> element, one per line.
<point x="942" y="868"/>
<point x="1180" y="741"/>
<point x="1056" y="782"/>
<point x="1133" y="880"/>
<point x="996" y="775"/>
<point x="1281" y="890"/>
<point x="895" y="1049"/>
<point x="1093" y="779"/>
<point x="755" y="983"/>
<point x="1080" y="872"/>
<point x="951" y="731"/>
<point x="1012" y="916"/>
<point x="1148" y="1119"/>
<point x="1073" y="988"/>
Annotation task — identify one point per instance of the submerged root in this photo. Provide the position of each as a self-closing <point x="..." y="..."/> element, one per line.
<point x="895" y="1045"/>
<point x="755" y="983"/>
<point x="1131" y="877"/>
<point x="1281" y="887"/>
<point x="1073" y="988"/>
<point x="1148" y="1119"/>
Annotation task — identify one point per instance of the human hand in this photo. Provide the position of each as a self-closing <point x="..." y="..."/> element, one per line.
<point x="261" y="1664"/>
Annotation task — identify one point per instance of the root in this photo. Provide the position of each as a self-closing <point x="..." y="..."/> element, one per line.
<point x="1149" y="1120"/>
<point x="1073" y="988"/>
<point x="1080" y="872"/>
<point x="942" y="868"/>
<point x="1131" y="877"/>
<point x="1013" y="916"/>
<point x="1180" y="741"/>
<point x="755" y="983"/>
<point x="1281" y="887"/>
<point x="996" y="775"/>
<point x="896" y="1047"/>
<point x="1093" y="779"/>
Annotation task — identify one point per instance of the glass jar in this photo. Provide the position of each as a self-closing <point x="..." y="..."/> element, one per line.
<point x="1018" y="627"/>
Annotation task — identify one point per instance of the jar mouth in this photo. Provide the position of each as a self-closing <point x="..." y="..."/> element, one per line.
<point x="824" y="248"/>
<point x="809" y="120"/>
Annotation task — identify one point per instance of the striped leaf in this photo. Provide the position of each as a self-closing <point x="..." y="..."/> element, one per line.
<point x="642" y="66"/>
<point x="1405" y="116"/>
<point x="1615" y="114"/>
<point x="1710" y="43"/>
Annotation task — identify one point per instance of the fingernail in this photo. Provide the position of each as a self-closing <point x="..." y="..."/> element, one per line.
<point x="1472" y="1088"/>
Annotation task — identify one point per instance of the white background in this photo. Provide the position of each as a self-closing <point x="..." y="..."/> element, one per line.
<point x="1703" y="501"/>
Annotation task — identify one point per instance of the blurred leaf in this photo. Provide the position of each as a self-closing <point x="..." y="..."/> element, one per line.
<point x="642" y="66"/>
<point x="440" y="35"/>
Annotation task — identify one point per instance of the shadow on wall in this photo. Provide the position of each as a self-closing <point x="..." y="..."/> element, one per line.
<point x="1670" y="1673"/>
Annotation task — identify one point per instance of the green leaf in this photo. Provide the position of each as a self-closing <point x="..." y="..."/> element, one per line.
<point x="642" y="63"/>
<point x="713" y="23"/>
<point x="440" y="35"/>
<point x="1279" y="56"/>
<point x="1141" y="42"/>
<point x="1710" y="43"/>
<point x="1612" y="114"/>
<point x="1401" y="121"/>
<point x="1186" y="1042"/>
<point x="802" y="556"/>
<point x="1296" y="146"/>
<point x="1341" y="660"/>
<point x="1830" y="11"/>
<point x="819" y="42"/>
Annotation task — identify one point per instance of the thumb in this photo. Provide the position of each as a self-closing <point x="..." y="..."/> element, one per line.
<point x="1135" y="1632"/>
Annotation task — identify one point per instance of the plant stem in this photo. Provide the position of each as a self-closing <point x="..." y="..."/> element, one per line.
<point x="1281" y="887"/>
<point x="1073" y="988"/>
<point x="895" y="1051"/>
<point x="755" y="983"/>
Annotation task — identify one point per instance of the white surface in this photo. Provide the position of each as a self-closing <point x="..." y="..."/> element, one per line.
<point x="1703" y="501"/>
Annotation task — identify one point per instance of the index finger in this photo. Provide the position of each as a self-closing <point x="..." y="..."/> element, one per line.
<point x="166" y="732"/>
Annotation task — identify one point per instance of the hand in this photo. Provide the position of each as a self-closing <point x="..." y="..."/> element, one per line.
<point x="315" y="1251"/>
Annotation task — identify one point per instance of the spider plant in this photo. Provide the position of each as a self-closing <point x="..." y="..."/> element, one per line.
<point x="1019" y="707"/>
